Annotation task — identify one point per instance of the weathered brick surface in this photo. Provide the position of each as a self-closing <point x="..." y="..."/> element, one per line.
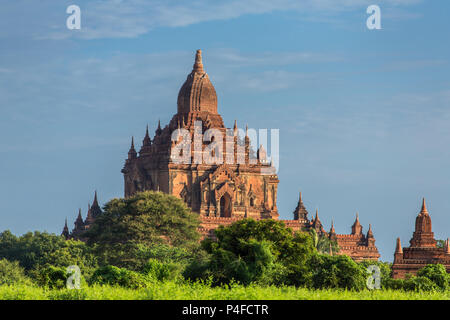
<point x="422" y="250"/>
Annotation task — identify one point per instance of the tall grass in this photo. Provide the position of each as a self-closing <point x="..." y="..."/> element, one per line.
<point x="197" y="291"/>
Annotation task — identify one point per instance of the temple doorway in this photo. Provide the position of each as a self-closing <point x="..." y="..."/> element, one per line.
<point x="225" y="206"/>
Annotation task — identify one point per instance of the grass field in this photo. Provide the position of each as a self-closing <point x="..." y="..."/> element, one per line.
<point x="174" y="291"/>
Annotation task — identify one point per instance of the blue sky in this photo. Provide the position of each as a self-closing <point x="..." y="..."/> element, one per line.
<point x="364" y="115"/>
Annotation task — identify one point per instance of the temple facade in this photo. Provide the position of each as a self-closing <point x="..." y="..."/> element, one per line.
<point x="238" y="183"/>
<point x="423" y="249"/>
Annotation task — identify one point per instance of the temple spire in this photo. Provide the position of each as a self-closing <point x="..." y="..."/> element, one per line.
<point x="158" y="130"/>
<point x="398" y="254"/>
<point x="132" y="152"/>
<point x="398" y="248"/>
<point x="332" y="234"/>
<point x="89" y="218"/>
<point x="300" y="211"/>
<point x="332" y="227"/>
<point x="356" y="227"/>
<point x="198" y="65"/>
<point x="95" y="208"/>
<point x="147" y="141"/>
<point x="424" y="207"/>
<point x="65" y="231"/>
<point x="316" y="224"/>
<point x="79" y="222"/>
<point x="447" y="246"/>
<point x="95" y="203"/>
<point x="369" y="232"/>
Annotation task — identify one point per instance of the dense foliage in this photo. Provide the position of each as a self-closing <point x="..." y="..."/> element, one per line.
<point x="38" y="250"/>
<point x="150" y="242"/>
<point x="262" y="251"/>
<point x="12" y="273"/>
<point x="337" y="272"/>
<point x="126" y="230"/>
<point x="115" y="276"/>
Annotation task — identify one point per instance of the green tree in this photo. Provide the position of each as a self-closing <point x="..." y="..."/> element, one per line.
<point x="12" y="273"/>
<point x="37" y="250"/>
<point x="127" y="226"/>
<point x="256" y="251"/>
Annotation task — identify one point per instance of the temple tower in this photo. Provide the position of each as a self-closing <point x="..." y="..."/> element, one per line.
<point x="224" y="187"/>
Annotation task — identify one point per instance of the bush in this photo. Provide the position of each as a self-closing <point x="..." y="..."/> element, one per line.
<point x="162" y="271"/>
<point x="12" y="273"/>
<point x="199" y="269"/>
<point x="337" y="272"/>
<point x="417" y="284"/>
<point x="432" y="277"/>
<point x="51" y="277"/>
<point x="114" y="276"/>
<point x="437" y="274"/>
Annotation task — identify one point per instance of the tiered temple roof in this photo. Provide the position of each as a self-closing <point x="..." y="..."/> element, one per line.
<point x="423" y="248"/>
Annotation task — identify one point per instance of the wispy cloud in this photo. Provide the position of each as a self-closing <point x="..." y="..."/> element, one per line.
<point x="132" y="18"/>
<point x="126" y="80"/>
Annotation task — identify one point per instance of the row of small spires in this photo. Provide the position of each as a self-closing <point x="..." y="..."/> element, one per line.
<point x="146" y="142"/>
<point x="356" y="227"/>
<point x="93" y="212"/>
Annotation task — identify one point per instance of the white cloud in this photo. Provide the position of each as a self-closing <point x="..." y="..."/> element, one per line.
<point x="132" y="18"/>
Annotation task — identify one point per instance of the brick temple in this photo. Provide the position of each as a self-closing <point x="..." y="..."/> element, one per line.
<point x="423" y="249"/>
<point x="244" y="185"/>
